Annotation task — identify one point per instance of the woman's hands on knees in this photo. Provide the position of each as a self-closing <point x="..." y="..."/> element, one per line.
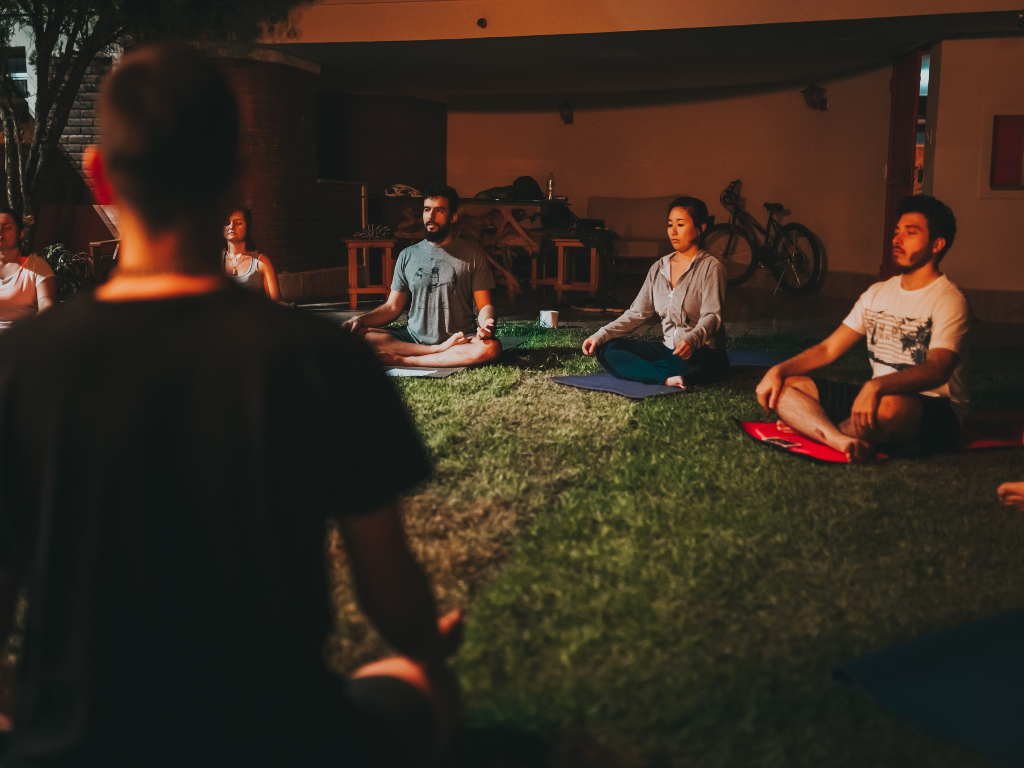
<point x="683" y="349"/>
<point x="590" y="346"/>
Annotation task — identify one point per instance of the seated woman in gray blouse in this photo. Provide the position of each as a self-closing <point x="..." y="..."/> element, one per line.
<point x="27" y="284"/>
<point x="686" y="289"/>
<point x="243" y="262"/>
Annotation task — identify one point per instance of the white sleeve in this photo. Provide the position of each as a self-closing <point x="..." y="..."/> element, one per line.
<point x="951" y="321"/>
<point x="855" y="320"/>
<point x="40" y="267"/>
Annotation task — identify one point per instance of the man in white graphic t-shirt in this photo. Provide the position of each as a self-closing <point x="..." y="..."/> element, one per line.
<point x="916" y="329"/>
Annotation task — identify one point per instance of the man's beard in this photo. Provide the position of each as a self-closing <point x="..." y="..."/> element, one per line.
<point x="918" y="260"/>
<point x="440" y="233"/>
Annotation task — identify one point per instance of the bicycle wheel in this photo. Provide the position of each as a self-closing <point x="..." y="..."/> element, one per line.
<point x="797" y="261"/>
<point x="733" y="247"/>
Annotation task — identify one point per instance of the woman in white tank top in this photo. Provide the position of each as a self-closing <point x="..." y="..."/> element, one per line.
<point x="242" y="262"/>
<point x="27" y="284"/>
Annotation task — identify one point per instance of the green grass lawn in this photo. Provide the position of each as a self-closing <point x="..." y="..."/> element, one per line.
<point x="648" y="586"/>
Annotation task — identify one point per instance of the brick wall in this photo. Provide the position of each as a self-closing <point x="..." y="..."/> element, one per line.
<point x="297" y="222"/>
<point x="83" y="126"/>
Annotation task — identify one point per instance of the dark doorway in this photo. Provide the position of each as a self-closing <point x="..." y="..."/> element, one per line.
<point x="901" y="171"/>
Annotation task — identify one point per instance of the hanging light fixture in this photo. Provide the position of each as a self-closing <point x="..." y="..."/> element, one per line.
<point x="814" y="95"/>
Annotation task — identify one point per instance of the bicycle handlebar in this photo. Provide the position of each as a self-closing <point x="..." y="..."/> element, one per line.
<point x="730" y="197"/>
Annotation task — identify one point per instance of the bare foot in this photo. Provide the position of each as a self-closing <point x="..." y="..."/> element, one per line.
<point x="454" y="339"/>
<point x="388" y="358"/>
<point x="784" y="428"/>
<point x="857" y="451"/>
<point x="675" y="381"/>
<point x="1012" y="495"/>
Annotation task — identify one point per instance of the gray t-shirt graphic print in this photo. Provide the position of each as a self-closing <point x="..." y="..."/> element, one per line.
<point x="441" y="281"/>
<point x="435" y="277"/>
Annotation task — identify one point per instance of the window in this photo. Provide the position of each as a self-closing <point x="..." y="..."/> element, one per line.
<point x="16" y="65"/>
<point x="1007" y="170"/>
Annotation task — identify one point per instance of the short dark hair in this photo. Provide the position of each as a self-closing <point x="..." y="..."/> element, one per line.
<point x="941" y="221"/>
<point x="697" y="209"/>
<point x="170" y="139"/>
<point x="448" y="193"/>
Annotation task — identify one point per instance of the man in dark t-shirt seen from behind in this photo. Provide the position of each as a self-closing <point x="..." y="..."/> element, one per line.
<point x="173" y="449"/>
<point x="439" y="280"/>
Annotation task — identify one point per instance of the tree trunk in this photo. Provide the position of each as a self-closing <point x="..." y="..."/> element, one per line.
<point x="59" y="94"/>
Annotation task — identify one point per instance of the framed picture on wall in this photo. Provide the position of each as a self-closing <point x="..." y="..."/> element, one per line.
<point x="1001" y="155"/>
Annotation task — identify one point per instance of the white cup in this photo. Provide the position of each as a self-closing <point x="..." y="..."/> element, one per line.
<point x="548" y="319"/>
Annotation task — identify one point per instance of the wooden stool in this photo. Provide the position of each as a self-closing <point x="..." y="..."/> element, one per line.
<point x="388" y="262"/>
<point x="561" y="280"/>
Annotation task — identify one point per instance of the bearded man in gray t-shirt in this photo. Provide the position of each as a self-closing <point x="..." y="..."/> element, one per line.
<point x="443" y="276"/>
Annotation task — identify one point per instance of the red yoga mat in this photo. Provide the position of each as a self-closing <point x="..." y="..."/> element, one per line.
<point x="767" y="433"/>
<point x="982" y="430"/>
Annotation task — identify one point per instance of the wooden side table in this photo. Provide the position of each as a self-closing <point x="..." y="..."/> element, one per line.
<point x="387" y="248"/>
<point x="562" y="281"/>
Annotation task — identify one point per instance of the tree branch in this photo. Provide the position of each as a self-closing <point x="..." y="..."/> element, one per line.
<point x="12" y="159"/>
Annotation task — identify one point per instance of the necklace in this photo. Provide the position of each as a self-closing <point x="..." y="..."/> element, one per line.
<point x="235" y="261"/>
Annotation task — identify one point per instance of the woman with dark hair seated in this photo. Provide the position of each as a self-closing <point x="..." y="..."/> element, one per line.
<point x="27" y="284"/>
<point x="241" y="260"/>
<point x="686" y="289"/>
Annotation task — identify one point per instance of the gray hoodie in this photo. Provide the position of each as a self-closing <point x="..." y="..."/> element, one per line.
<point x="692" y="311"/>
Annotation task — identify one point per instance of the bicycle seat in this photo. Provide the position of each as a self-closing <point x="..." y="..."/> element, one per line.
<point x="774" y="207"/>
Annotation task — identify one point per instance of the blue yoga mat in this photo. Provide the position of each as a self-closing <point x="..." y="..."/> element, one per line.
<point x="753" y="358"/>
<point x="605" y="382"/>
<point x="634" y="390"/>
<point x="965" y="684"/>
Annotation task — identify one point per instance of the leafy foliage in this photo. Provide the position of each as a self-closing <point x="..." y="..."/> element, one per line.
<point x="69" y="34"/>
<point x="74" y="271"/>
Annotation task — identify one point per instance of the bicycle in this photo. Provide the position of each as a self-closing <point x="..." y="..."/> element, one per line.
<point x="790" y="252"/>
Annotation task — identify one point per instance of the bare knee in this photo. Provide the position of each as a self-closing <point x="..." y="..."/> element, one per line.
<point x="899" y="416"/>
<point x="490" y="349"/>
<point x="374" y="336"/>
<point x="897" y="420"/>
<point x="893" y="408"/>
<point x="801" y="384"/>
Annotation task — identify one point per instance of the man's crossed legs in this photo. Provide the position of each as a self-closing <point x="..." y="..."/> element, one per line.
<point x="822" y="411"/>
<point x="396" y="347"/>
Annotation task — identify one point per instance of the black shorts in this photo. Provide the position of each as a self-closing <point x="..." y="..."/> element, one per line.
<point x="402" y="334"/>
<point x="940" y="427"/>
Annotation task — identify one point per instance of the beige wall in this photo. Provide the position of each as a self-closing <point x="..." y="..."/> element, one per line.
<point x="332" y="21"/>
<point x="826" y="167"/>
<point x="972" y="80"/>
